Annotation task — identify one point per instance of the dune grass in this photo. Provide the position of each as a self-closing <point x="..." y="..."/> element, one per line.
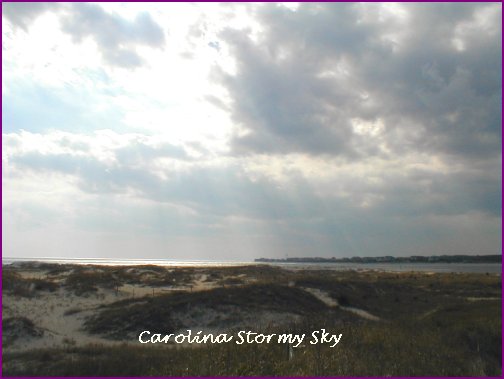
<point x="429" y="326"/>
<point x="431" y="347"/>
<point x="118" y="320"/>
<point x="14" y="284"/>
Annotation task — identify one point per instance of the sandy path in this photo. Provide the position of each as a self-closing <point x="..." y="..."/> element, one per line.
<point x="322" y="296"/>
<point x="327" y="299"/>
<point x="483" y="298"/>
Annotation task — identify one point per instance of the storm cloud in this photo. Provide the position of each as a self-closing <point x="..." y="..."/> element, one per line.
<point x="429" y="76"/>
<point x="115" y="37"/>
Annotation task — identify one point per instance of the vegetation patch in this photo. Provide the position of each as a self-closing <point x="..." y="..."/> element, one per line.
<point x="14" y="328"/>
<point x="14" y="284"/>
<point x="84" y="282"/>
<point x="125" y="318"/>
<point x="366" y="349"/>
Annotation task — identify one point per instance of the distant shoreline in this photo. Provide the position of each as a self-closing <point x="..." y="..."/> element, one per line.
<point x="391" y="259"/>
<point x="331" y="265"/>
<point x="459" y="259"/>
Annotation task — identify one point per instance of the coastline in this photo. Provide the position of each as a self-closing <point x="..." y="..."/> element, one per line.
<point x="433" y="267"/>
<point x="56" y="307"/>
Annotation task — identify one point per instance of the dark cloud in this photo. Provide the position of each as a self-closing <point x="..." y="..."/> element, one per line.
<point x="417" y="212"/>
<point x="116" y="37"/>
<point x="222" y="191"/>
<point x="218" y="191"/>
<point x="22" y="14"/>
<point x="312" y="71"/>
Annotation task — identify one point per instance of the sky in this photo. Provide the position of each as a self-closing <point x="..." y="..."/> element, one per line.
<point x="236" y="131"/>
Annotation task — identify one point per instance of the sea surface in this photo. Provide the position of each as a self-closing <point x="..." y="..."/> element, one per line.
<point x="491" y="268"/>
<point x="127" y="262"/>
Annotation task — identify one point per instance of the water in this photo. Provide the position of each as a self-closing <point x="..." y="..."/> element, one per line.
<point x="491" y="268"/>
<point x="128" y="262"/>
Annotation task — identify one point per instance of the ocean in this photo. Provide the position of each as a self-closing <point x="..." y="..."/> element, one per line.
<point x="491" y="268"/>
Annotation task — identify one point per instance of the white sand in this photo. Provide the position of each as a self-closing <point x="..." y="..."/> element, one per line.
<point x="483" y="298"/>
<point x="328" y="300"/>
<point x="48" y="313"/>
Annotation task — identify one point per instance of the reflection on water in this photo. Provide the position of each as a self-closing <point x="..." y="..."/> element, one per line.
<point x="127" y="262"/>
<point x="492" y="268"/>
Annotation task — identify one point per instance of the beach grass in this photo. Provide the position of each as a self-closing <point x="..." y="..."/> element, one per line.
<point x="424" y="324"/>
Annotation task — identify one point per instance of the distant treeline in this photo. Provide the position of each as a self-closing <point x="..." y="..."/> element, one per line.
<point x="391" y="259"/>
